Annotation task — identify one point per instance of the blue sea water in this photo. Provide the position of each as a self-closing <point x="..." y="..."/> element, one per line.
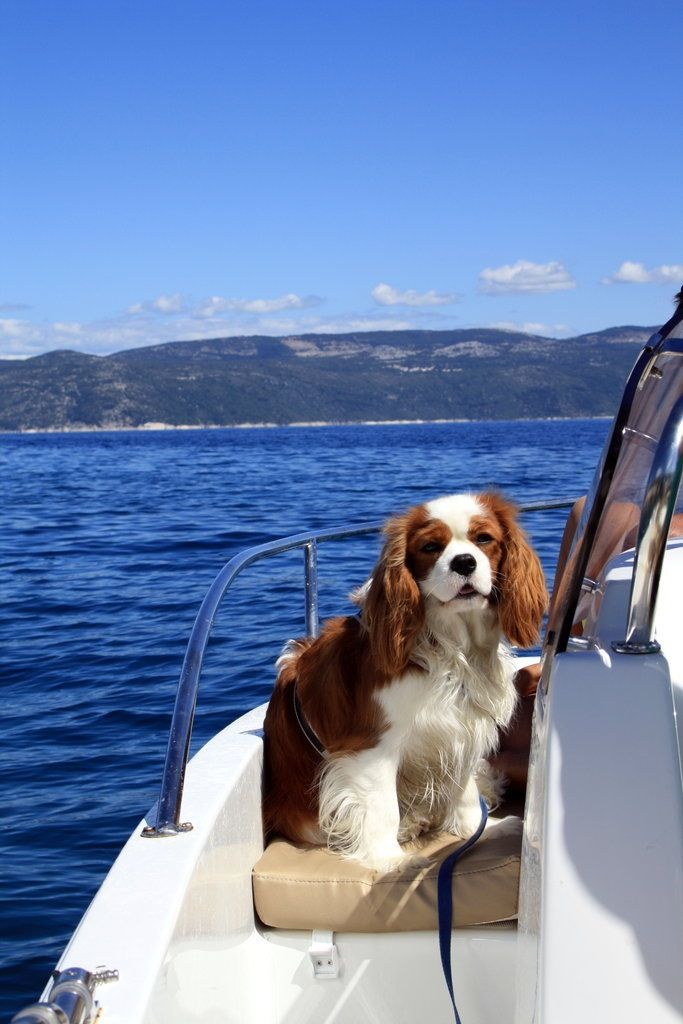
<point x="108" y="544"/>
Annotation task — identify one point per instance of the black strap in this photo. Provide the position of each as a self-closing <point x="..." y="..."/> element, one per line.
<point x="304" y="726"/>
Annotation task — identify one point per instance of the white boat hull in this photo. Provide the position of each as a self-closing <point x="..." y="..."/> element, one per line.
<point x="175" y="915"/>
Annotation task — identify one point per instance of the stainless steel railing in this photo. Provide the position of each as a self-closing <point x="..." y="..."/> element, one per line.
<point x="71" y="998"/>
<point x="659" y="503"/>
<point x="168" y="810"/>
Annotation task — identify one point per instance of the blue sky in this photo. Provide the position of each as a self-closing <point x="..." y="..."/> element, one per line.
<point x="193" y="169"/>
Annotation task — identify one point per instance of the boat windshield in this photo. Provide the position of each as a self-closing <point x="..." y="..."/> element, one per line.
<point x="660" y="386"/>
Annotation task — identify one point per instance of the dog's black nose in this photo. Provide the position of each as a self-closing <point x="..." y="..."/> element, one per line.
<point x="464" y="564"/>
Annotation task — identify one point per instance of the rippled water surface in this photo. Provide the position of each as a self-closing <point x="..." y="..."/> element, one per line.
<point x="108" y="544"/>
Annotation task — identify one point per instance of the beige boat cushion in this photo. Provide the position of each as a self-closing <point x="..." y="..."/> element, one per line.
<point x="305" y="887"/>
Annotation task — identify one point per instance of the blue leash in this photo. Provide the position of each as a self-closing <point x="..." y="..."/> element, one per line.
<point x="444" y="896"/>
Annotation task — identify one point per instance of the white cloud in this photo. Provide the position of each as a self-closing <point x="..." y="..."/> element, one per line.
<point x="217" y="304"/>
<point x="336" y="325"/>
<point x="214" y="305"/>
<point x="636" y="273"/>
<point x="162" y="304"/>
<point x="387" y="295"/>
<point x="16" y="338"/>
<point x="14" y="327"/>
<point x="71" y="329"/>
<point x="20" y="339"/>
<point x="524" y="276"/>
<point x="168" y="303"/>
<point x="545" y="330"/>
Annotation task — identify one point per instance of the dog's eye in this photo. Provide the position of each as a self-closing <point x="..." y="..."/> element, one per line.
<point x="430" y="547"/>
<point x="484" y="538"/>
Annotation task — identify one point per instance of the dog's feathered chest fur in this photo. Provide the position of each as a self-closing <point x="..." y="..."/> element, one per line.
<point x="464" y="689"/>
<point x="440" y="718"/>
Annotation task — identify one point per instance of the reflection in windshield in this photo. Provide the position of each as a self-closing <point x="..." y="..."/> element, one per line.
<point x="660" y="387"/>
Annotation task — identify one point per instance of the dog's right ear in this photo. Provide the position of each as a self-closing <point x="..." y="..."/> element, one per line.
<point x="393" y="610"/>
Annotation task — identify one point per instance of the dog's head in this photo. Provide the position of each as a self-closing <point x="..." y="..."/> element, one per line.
<point x="459" y="555"/>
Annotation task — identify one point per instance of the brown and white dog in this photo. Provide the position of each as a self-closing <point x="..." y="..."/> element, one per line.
<point x="407" y="698"/>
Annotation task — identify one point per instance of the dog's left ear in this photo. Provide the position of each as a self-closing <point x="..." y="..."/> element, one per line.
<point x="523" y="593"/>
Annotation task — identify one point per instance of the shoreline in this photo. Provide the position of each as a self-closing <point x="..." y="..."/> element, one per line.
<point x="163" y="427"/>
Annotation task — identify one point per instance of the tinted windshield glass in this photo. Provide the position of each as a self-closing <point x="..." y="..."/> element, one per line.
<point x="661" y="386"/>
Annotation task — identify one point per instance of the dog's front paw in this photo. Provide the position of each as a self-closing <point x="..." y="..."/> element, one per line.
<point x="465" y="823"/>
<point x="411" y="828"/>
<point x="491" y="784"/>
<point x="384" y="857"/>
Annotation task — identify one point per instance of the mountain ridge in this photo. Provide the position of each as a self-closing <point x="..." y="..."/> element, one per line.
<point x="467" y="373"/>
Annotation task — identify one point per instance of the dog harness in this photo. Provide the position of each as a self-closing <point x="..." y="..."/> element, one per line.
<point x="306" y="729"/>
